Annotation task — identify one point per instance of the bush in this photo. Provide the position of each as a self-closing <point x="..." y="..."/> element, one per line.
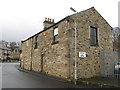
<point x="8" y="58"/>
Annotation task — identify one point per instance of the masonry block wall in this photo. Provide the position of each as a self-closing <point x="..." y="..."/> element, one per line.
<point x="58" y="58"/>
<point x="51" y="58"/>
<point x="90" y="66"/>
<point x="26" y="55"/>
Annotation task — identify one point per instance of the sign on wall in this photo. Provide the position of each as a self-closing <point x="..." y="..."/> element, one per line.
<point x="82" y="54"/>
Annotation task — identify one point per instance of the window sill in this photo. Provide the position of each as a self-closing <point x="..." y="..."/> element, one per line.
<point x="36" y="49"/>
<point x="94" y="45"/>
<point x="55" y="42"/>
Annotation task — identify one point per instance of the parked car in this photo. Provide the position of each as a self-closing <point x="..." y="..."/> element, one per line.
<point x="117" y="70"/>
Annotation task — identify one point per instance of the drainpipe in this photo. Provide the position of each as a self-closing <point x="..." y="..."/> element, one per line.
<point x="31" y="54"/>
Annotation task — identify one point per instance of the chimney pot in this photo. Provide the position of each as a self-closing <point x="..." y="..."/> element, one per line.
<point x="48" y="22"/>
<point x="48" y="19"/>
<point x="45" y="19"/>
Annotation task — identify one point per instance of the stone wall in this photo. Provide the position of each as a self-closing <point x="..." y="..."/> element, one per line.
<point x="15" y="54"/>
<point x="26" y="55"/>
<point x="52" y="57"/>
<point x="90" y="66"/>
<point x="108" y="60"/>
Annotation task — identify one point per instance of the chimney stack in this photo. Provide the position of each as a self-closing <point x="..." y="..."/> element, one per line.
<point x="48" y="22"/>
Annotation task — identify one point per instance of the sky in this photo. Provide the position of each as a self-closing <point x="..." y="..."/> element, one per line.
<point x="20" y="19"/>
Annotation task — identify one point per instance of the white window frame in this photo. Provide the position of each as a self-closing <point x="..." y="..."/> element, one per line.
<point x="55" y="33"/>
<point x="27" y="43"/>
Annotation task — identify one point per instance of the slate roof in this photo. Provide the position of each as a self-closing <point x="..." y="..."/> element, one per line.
<point x="2" y="46"/>
<point x="61" y="21"/>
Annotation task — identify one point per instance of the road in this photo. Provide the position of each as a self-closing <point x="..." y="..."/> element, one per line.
<point x="13" y="78"/>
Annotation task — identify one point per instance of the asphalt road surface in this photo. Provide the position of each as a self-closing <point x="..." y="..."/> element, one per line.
<point x="13" y="78"/>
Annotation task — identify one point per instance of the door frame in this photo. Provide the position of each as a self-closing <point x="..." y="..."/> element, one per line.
<point x="42" y="62"/>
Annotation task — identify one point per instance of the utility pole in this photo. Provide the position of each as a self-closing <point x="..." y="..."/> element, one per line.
<point x="75" y="57"/>
<point x="75" y="66"/>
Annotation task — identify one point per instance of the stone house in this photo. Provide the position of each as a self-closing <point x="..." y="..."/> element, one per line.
<point x="52" y="50"/>
<point x="5" y="52"/>
<point x="15" y="54"/>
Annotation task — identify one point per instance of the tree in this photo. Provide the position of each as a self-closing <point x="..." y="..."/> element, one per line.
<point x="119" y="42"/>
<point x="13" y="45"/>
<point x="116" y="38"/>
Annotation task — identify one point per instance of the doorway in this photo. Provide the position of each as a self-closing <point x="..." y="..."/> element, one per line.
<point x="42" y="62"/>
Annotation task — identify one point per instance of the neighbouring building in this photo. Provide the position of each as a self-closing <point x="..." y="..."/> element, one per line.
<point x="5" y="52"/>
<point x="52" y="50"/>
<point x="15" y="54"/>
<point x="116" y="40"/>
<point x="116" y="34"/>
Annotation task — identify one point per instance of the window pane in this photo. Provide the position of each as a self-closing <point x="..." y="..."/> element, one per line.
<point x="37" y="39"/>
<point x="36" y="42"/>
<point x="27" y="43"/>
<point x="93" y="31"/>
<point x="93" y="36"/>
<point x="92" y="40"/>
<point x="55" y="31"/>
<point x="56" y="38"/>
<point x="55" y="34"/>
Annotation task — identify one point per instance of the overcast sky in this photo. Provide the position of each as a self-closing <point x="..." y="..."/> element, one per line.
<point x="20" y="19"/>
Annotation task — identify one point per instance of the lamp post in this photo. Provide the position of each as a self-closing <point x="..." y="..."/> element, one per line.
<point x="75" y="66"/>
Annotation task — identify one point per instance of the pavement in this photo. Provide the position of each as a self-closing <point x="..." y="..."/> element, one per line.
<point x="15" y="77"/>
<point x="101" y="82"/>
<point x="96" y="82"/>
